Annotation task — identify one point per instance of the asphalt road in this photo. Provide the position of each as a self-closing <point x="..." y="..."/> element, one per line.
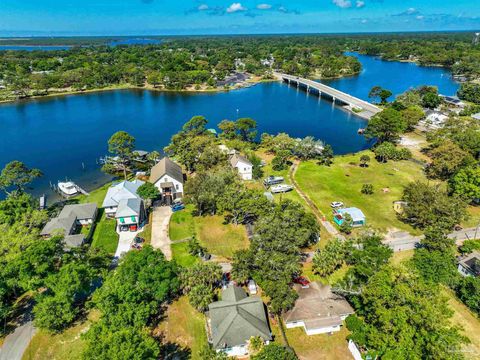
<point x="17" y="342"/>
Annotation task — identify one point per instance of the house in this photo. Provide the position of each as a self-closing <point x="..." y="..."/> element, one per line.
<point x="232" y="321"/>
<point x="453" y="100"/>
<point x="67" y="222"/>
<point x="123" y="203"/>
<point x="476" y="116"/>
<point x="358" y="218"/>
<point x="318" y="310"/>
<point x="435" y="119"/>
<point x="469" y="265"/>
<point x="167" y="176"/>
<point x="243" y="166"/>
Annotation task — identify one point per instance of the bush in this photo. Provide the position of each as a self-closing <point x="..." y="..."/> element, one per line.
<point x="367" y="189"/>
<point x="388" y="151"/>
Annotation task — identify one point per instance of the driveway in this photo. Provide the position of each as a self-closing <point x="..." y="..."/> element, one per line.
<point x="16" y="343"/>
<point x="125" y="239"/>
<point x="160" y="222"/>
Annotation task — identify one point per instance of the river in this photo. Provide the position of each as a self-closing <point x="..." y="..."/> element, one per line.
<point x="65" y="136"/>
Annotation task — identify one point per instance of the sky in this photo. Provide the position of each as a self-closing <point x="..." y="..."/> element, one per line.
<point x="182" y="17"/>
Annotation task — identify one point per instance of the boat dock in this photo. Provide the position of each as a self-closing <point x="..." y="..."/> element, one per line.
<point x="357" y="106"/>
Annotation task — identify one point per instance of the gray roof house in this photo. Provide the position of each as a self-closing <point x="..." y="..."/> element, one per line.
<point x="122" y="191"/>
<point x="123" y="203"/>
<point x="318" y="310"/>
<point x="236" y="318"/>
<point x="68" y="219"/>
<point x="469" y="265"/>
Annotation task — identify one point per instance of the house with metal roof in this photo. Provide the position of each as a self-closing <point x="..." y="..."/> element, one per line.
<point x="167" y="176"/>
<point x="243" y="166"/>
<point x="124" y="204"/>
<point x="85" y="213"/>
<point x="318" y="310"/>
<point x="358" y="218"/>
<point x="469" y="265"/>
<point x="235" y="319"/>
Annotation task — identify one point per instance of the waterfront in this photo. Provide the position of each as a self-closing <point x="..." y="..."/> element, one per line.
<point x="65" y="136"/>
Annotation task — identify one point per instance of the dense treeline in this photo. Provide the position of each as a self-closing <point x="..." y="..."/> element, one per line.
<point x="175" y="64"/>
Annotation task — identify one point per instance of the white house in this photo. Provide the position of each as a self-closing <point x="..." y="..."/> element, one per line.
<point x="167" y="176"/>
<point x="317" y="310"/>
<point x="243" y="166"/>
<point x="123" y="203"/>
<point x="469" y="265"/>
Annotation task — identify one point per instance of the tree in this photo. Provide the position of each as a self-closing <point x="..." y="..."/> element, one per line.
<point x="468" y="290"/>
<point x="200" y="282"/>
<point x="281" y="161"/>
<point x="122" y="144"/>
<point x="364" y="160"/>
<point x="329" y="259"/>
<point x="430" y="206"/>
<point x="404" y="318"/>
<point x="308" y="148"/>
<point x="246" y="128"/>
<point x="257" y="171"/>
<point x="431" y="100"/>
<point x="54" y="313"/>
<point x="275" y="352"/>
<point x="447" y="159"/>
<point x="228" y="128"/>
<point x="412" y="115"/>
<point x="195" y="126"/>
<point x="326" y="157"/>
<point x="148" y="191"/>
<point x="386" y="126"/>
<point x="388" y="151"/>
<point x="379" y="92"/>
<point x="209" y="353"/>
<point x="16" y="174"/>
<point x="153" y="157"/>
<point x="367" y="189"/>
<point x="470" y="92"/>
<point x="466" y="183"/>
<point x="281" y="141"/>
<point x="347" y="224"/>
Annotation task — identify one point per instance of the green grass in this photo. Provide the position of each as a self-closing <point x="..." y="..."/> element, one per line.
<point x="105" y="235"/>
<point x="96" y="196"/>
<point x="181" y="224"/>
<point x="181" y="255"/>
<point x="66" y="345"/>
<point x="327" y="280"/>
<point x="184" y="329"/>
<point x="343" y="181"/>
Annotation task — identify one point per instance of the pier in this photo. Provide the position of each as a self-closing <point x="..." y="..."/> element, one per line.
<point x="359" y="107"/>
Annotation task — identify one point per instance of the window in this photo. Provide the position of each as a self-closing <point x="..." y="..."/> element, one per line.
<point x="176" y="186"/>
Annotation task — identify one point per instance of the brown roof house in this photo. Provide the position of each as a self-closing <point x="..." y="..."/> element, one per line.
<point x="318" y="310"/>
<point x="167" y="176"/>
<point x="234" y="320"/>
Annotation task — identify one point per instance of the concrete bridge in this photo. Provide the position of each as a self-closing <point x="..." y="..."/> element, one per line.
<point x="357" y="106"/>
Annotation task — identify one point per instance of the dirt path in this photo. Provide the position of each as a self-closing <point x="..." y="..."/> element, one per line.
<point x="160" y="223"/>
<point x="332" y="230"/>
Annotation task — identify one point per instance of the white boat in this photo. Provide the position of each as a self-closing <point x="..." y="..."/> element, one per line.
<point x="272" y="180"/>
<point x="68" y="188"/>
<point x="282" y="188"/>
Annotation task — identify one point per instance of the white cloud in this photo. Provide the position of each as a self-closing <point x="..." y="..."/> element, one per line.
<point x="264" y="6"/>
<point x="360" y="4"/>
<point x="420" y="17"/>
<point x="411" y="11"/>
<point x="364" y="21"/>
<point x="343" y="3"/>
<point x="236" y="7"/>
<point x="202" y="7"/>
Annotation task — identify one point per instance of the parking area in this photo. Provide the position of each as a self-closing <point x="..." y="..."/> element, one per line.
<point x="125" y="240"/>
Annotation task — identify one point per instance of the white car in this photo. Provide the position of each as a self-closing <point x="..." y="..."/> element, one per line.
<point x="252" y="287"/>
<point x="336" y="204"/>
<point x="282" y="188"/>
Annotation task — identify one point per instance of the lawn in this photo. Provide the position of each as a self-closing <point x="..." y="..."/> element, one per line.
<point x="105" y="235"/>
<point x="315" y="347"/>
<point x="66" y="345"/>
<point x="181" y="255"/>
<point x="343" y="181"/>
<point x="330" y="280"/>
<point x="220" y="239"/>
<point x="183" y="331"/>
<point x="468" y="321"/>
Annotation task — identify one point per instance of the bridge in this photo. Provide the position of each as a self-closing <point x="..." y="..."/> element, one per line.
<point x="357" y="106"/>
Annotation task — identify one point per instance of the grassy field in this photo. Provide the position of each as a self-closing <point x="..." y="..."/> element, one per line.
<point x="344" y="179"/>
<point x="315" y="347"/>
<point x="67" y="345"/>
<point x="183" y="331"/>
<point x="181" y="256"/>
<point x="220" y="239"/>
<point x="468" y="321"/>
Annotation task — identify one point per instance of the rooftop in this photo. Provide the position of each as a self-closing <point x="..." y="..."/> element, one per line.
<point x="166" y="167"/>
<point x="355" y="213"/>
<point x="63" y="225"/>
<point x="128" y="207"/>
<point x="236" y="318"/>
<point x="471" y="262"/>
<point x="121" y="191"/>
<point x="236" y="158"/>
<point x="81" y="211"/>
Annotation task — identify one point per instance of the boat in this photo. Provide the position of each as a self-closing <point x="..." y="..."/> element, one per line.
<point x="68" y="188"/>
<point x="361" y="131"/>
<point x="282" y="188"/>
<point x="272" y="180"/>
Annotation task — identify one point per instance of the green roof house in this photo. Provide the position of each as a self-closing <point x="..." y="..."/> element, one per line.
<point x="235" y="319"/>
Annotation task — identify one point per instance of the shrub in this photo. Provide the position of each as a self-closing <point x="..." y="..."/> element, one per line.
<point x="367" y="189"/>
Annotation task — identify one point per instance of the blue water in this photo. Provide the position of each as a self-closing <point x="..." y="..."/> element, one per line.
<point x="34" y="47"/>
<point x="65" y="136"/>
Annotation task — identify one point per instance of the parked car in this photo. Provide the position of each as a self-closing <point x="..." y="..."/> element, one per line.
<point x="273" y="180"/>
<point x="177" y="207"/>
<point x="252" y="287"/>
<point x="336" y="204"/>
<point x="136" y="246"/>
<point x="302" y="281"/>
<point x="205" y="256"/>
<point x="282" y="188"/>
<point x="138" y="240"/>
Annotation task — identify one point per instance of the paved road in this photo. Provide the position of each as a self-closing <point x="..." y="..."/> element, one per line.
<point x="160" y="222"/>
<point x="17" y="342"/>
<point x="316" y="211"/>
<point x="405" y="241"/>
